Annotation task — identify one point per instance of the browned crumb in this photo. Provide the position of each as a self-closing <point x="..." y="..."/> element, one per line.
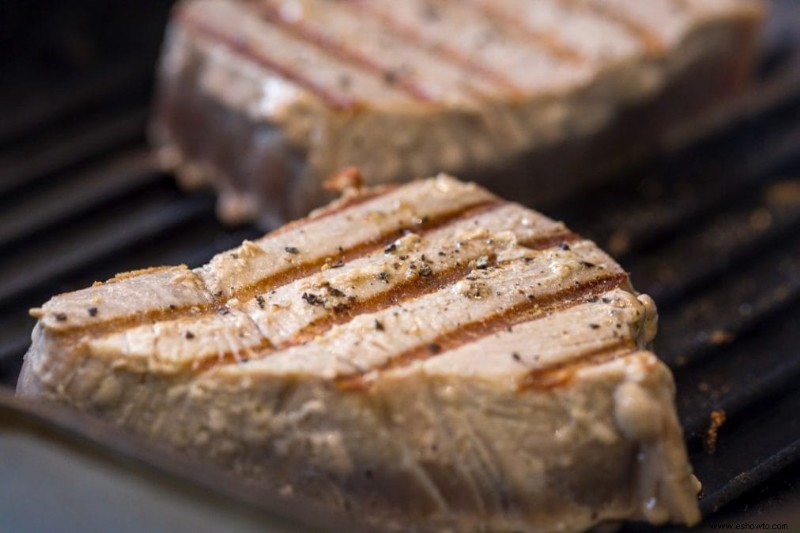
<point x="717" y="418"/>
<point x="345" y="180"/>
<point x="720" y="336"/>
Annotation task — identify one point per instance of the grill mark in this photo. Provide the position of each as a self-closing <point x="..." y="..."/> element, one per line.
<point x="415" y="38"/>
<point x="682" y="5"/>
<point x="563" y="373"/>
<point x="359" y="250"/>
<point x="649" y="39"/>
<point x="335" y="99"/>
<point x="403" y="292"/>
<point x="547" y="40"/>
<point x="283" y="277"/>
<point x="372" y="193"/>
<point x="550" y="241"/>
<point x="398" y="294"/>
<point x="525" y="311"/>
<point x="333" y="46"/>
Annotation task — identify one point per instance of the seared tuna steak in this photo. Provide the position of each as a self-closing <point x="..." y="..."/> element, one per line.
<point x="425" y="358"/>
<point x="265" y="99"/>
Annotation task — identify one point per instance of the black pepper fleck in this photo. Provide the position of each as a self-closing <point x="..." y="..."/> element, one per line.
<point x="482" y="262"/>
<point x="564" y="246"/>
<point x="61" y="317"/>
<point x="594" y="326"/>
<point x="390" y="76"/>
<point x="379" y="325"/>
<point x="312" y="299"/>
<point x="587" y="264"/>
<point x="338" y="264"/>
<point x="260" y="302"/>
<point x="92" y="311"/>
<point x="516" y="357"/>
<point x="434" y="347"/>
<point x="224" y="311"/>
<point x="189" y="335"/>
<point x="384" y="277"/>
<point x="335" y="292"/>
<point x="172" y="307"/>
<point x="389" y="248"/>
<point x="425" y="271"/>
<point x="291" y="250"/>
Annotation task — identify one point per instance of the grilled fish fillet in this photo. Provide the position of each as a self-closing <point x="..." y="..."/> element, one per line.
<point x="426" y="357"/>
<point x="265" y="99"/>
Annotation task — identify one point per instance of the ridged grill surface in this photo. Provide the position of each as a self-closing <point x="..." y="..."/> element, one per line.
<point x="711" y="232"/>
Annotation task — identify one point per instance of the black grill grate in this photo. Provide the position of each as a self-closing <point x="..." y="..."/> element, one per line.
<point x="711" y="232"/>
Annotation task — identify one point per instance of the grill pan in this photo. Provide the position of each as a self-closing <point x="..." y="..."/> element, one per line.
<point x="711" y="230"/>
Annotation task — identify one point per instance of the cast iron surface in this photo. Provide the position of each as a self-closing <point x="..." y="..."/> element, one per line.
<point x="712" y="232"/>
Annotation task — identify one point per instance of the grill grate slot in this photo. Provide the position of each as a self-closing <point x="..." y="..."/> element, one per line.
<point x="120" y="84"/>
<point x="715" y="245"/>
<point x="666" y="198"/>
<point x="731" y="305"/>
<point x="109" y="180"/>
<point x="66" y="149"/>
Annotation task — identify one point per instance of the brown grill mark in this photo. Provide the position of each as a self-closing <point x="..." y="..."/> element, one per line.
<point x="363" y="197"/>
<point x="682" y="5"/>
<point x="531" y="309"/>
<point x="400" y="293"/>
<point x="303" y="270"/>
<point x="334" y="46"/>
<point x="524" y="312"/>
<point x="330" y="96"/>
<point x="395" y="296"/>
<point x="563" y="373"/>
<point x="412" y="289"/>
<point x="651" y="41"/>
<point x="288" y="275"/>
<point x="547" y="40"/>
<point x="414" y="37"/>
